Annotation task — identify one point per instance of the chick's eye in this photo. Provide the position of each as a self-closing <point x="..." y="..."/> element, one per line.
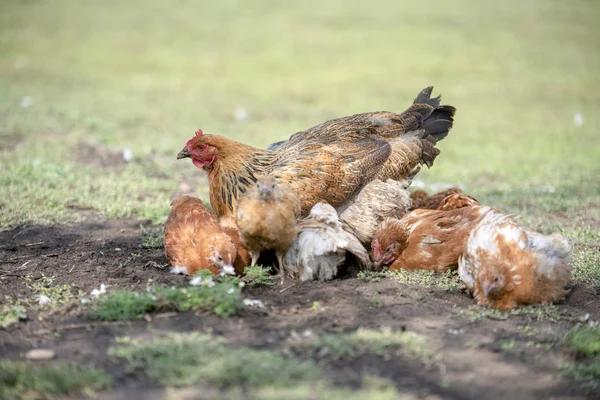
<point x="496" y="279"/>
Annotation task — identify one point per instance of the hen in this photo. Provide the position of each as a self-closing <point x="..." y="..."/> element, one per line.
<point x="505" y="265"/>
<point x="321" y="246"/>
<point x="194" y="240"/>
<point x="230" y="228"/>
<point x="424" y="201"/>
<point x="266" y="217"/>
<point x="375" y="202"/>
<point x="329" y="162"/>
<point x="425" y="239"/>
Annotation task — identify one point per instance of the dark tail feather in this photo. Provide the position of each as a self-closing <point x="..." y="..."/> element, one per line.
<point x="439" y="123"/>
<point x="424" y="97"/>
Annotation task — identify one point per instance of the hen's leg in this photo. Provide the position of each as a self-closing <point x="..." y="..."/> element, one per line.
<point x="254" y="256"/>
<point x="281" y="273"/>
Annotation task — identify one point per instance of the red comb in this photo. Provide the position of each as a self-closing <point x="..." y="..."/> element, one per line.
<point x="199" y="132"/>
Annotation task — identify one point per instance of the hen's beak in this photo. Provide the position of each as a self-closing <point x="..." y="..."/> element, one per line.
<point x="183" y="154"/>
<point x="377" y="264"/>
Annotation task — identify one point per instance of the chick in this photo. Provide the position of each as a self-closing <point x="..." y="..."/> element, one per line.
<point x="194" y="240"/>
<point x="456" y="201"/>
<point x="425" y="239"/>
<point x="375" y="202"/>
<point x="321" y="246"/>
<point x="505" y="265"/>
<point x="230" y="228"/>
<point x="422" y="200"/>
<point x="266" y="217"/>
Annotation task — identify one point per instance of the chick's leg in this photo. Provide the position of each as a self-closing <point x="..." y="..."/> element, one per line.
<point x="281" y="273"/>
<point x="254" y="256"/>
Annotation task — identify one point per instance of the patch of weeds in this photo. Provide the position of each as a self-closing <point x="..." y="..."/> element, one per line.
<point x="46" y="292"/>
<point x="447" y="280"/>
<point x="586" y="255"/>
<point x="179" y="360"/>
<point x="538" y="312"/>
<point x="152" y="238"/>
<point x="383" y="342"/>
<point x="21" y="381"/>
<point x="375" y="302"/>
<point x="258" y="276"/>
<point x="508" y="345"/>
<point x="373" y="276"/>
<point x="585" y="342"/>
<point x="223" y="298"/>
<point x="316" y="306"/>
<point x="12" y="314"/>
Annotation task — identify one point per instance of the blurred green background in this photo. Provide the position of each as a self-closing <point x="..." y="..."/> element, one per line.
<point x="83" y="82"/>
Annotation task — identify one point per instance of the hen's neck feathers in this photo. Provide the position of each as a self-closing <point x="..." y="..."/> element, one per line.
<point x="236" y="167"/>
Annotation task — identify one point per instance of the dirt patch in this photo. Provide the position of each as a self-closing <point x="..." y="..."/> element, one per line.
<point x="481" y="356"/>
<point x="99" y="156"/>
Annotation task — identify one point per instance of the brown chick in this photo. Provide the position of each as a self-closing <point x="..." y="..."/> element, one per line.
<point x="229" y="226"/>
<point x="422" y="200"/>
<point x="456" y="201"/>
<point x="505" y="265"/>
<point x="194" y="240"/>
<point x="425" y="239"/>
<point x="266" y="217"/>
<point x="375" y="202"/>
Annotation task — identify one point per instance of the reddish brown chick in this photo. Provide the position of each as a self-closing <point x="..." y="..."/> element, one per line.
<point x="456" y="201"/>
<point x="425" y="239"/>
<point x="422" y="200"/>
<point x="194" y="240"/>
<point x="506" y="266"/>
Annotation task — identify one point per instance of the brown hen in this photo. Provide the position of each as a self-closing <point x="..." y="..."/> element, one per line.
<point x="425" y="239"/>
<point x="266" y="217"/>
<point x="421" y="200"/>
<point x="456" y="201"/>
<point x="194" y="240"/>
<point x="506" y="266"/>
<point x="329" y="162"/>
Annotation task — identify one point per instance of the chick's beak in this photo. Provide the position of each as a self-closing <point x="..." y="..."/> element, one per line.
<point x="183" y="154"/>
<point x="486" y="288"/>
<point x="377" y="264"/>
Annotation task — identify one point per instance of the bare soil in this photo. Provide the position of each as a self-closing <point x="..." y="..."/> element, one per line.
<point x="476" y="362"/>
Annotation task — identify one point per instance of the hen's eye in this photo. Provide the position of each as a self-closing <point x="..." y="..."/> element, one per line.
<point x="496" y="279"/>
<point x="220" y="258"/>
<point x="201" y="147"/>
<point x="389" y="248"/>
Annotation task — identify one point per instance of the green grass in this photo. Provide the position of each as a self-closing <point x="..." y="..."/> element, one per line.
<point x="548" y="312"/>
<point x="145" y="75"/>
<point x="11" y="314"/>
<point x="383" y="342"/>
<point x="585" y="342"/>
<point x="186" y="359"/>
<point x="223" y="299"/>
<point x="21" y="381"/>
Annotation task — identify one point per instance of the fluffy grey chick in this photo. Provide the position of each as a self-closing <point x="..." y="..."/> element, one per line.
<point x="321" y="246"/>
<point x="376" y="201"/>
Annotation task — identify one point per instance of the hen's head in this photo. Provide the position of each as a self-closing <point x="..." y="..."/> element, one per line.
<point x="388" y="242"/>
<point x="202" y="149"/>
<point x="493" y="279"/>
<point x="222" y="251"/>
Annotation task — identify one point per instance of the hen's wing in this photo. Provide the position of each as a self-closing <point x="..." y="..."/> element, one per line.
<point x="334" y="171"/>
<point x="356" y="248"/>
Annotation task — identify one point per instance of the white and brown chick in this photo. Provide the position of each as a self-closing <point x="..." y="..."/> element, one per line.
<point x="266" y="217"/>
<point x="375" y="202"/>
<point x="322" y="246"/>
<point x="505" y="266"/>
<point x="194" y="240"/>
<point x="425" y="239"/>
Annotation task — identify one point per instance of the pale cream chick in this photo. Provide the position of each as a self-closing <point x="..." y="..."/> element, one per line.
<point x="321" y="246"/>
<point x="506" y="266"/>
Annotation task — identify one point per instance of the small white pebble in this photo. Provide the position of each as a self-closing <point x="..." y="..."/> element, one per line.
<point x="578" y="120"/>
<point x="240" y="114"/>
<point x="85" y="300"/>
<point x="26" y="102"/>
<point x="117" y="249"/>
<point x="254" y="303"/>
<point x="40" y="354"/>
<point x="230" y="291"/>
<point x="127" y="155"/>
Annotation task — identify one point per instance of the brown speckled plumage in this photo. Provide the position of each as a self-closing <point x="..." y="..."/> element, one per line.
<point x="329" y="162"/>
